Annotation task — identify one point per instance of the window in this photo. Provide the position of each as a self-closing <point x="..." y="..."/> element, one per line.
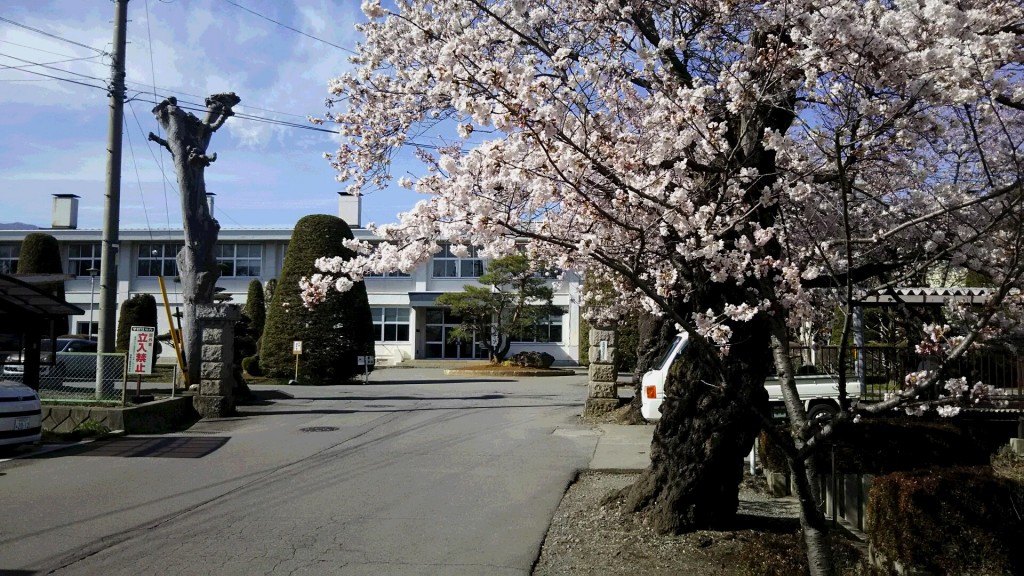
<point x="387" y="275"/>
<point x="549" y="330"/>
<point x="390" y="324"/>
<point x="447" y="265"/>
<point x="9" y="258"/>
<point x="84" y="328"/>
<point x="82" y="257"/>
<point x="240" y="260"/>
<point x="158" y="259"/>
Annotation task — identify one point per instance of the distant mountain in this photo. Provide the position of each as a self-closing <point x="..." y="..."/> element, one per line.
<point x="18" y="226"/>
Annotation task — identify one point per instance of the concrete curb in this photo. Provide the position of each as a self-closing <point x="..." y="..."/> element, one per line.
<point x="510" y="373"/>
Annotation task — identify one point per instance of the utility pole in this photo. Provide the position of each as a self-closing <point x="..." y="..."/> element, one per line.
<point x="112" y="205"/>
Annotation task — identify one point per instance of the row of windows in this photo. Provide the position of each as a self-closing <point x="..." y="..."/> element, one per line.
<point x="235" y="260"/>
<point x="392" y="325"/>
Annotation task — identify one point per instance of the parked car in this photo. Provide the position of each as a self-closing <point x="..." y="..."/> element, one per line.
<point x="75" y="359"/>
<point x="819" y="393"/>
<point x="20" y="414"/>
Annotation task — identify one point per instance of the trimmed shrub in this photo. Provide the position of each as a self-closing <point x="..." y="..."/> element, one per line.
<point x="531" y="359"/>
<point x="947" y="521"/>
<point x="255" y="307"/>
<point x="333" y="334"/>
<point x="139" y="310"/>
<point x="40" y="254"/>
<point x="251" y="365"/>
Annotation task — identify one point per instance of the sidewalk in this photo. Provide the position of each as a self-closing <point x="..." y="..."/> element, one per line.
<point x="622" y="448"/>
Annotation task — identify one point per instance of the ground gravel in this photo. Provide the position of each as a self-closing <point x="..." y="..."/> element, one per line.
<point x="587" y="536"/>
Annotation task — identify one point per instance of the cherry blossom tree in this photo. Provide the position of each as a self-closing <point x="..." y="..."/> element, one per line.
<point x="729" y="165"/>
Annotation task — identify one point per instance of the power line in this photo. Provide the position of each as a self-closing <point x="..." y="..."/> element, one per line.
<point x="195" y="107"/>
<point x="44" y="51"/>
<point x="253" y="12"/>
<point x="176" y="91"/>
<point x="138" y="177"/>
<point x="54" y="36"/>
<point x="48" y="65"/>
<point x="104" y="88"/>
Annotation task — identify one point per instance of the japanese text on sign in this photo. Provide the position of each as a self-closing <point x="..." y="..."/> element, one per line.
<point x="140" y="350"/>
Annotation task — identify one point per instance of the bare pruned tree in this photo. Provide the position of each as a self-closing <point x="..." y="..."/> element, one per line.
<point x="187" y="140"/>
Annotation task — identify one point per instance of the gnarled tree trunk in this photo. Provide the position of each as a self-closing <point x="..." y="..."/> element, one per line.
<point x="187" y="140"/>
<point x="710" y="417"/>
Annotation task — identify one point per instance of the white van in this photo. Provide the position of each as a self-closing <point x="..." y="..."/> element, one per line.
<point x="819" y="393"/>
<point x="653" y="383"/>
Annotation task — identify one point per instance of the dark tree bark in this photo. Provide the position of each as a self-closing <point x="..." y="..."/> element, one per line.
<point x="187" y="140"/>
<point x="710" y="417"/>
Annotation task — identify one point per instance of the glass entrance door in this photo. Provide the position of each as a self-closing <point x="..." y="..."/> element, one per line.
<point x="439" y="344"/>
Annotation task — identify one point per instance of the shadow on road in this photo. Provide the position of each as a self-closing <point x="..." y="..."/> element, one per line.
<point x="162" y="447"/>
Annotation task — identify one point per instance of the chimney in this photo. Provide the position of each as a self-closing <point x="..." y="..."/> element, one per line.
<point x="350" y="209"/>
<point x="209" y="202"/>
<point x="65" y="211"/>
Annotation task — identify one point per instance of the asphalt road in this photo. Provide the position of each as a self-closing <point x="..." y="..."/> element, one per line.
<point x="415" y="473"/>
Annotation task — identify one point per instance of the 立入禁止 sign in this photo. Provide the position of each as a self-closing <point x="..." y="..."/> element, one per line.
<point x="141" y="350"/>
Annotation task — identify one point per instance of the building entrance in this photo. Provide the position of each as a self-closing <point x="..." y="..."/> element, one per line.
<point x="438" y="327"/>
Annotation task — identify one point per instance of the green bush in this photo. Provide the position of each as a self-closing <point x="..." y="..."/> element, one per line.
<point x="139" y="310"/>
<point x="255" y="307"/>
<point x="40" y="254"/>
<point x="333" y="334"/>
<point x="948" y="521"/>
<point x="251" y="365"/>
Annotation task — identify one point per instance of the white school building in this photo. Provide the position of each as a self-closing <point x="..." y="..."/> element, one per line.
<point x="408" y="322"/>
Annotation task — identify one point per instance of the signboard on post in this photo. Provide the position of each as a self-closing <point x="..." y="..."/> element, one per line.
<point x="297" y="347"/>
<point x="365" y="362"/>
<point x="140" y="350"/>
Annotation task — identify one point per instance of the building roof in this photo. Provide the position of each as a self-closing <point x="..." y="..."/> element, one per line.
<point x="19" y="298"/>
<point x="928" y="295"/>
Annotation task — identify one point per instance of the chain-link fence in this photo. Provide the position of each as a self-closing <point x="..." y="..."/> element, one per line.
<point x="83" y="376"/>
<point x="77" y="377"/>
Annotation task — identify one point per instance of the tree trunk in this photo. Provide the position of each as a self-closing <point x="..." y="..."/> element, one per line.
<point x="805" y="473"/>
<point x="709" y="420"/>
<point x="187" y="140"/>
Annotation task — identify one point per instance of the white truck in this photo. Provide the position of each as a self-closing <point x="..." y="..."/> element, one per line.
<point x="819" y="393"/>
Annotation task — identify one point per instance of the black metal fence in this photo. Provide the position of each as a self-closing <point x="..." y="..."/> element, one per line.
<point x="886" y="367"/>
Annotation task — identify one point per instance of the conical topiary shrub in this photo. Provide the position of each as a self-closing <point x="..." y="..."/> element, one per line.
<point x="333" y="334"/>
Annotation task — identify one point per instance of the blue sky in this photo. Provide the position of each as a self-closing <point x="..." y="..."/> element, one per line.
<point x="53" y="133"/>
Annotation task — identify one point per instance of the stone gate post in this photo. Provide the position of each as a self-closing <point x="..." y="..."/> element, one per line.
<point x="217" y="325"/>
<point x="602" y="395"/>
